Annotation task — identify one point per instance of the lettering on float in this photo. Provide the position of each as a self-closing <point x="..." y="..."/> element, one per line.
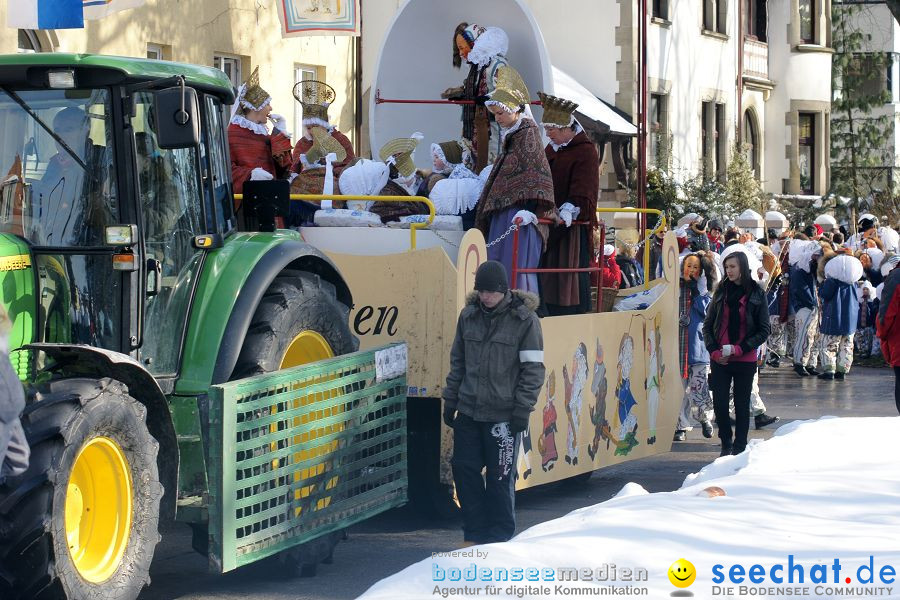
<point x="371" y="320"/>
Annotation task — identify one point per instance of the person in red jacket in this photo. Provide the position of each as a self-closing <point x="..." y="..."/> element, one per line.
<point x="256" y="154"/>
<point x="888" y="327"/>
<point x="612" y="273"/>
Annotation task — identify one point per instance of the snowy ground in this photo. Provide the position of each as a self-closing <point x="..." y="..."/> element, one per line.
<point x="821" y="496"/>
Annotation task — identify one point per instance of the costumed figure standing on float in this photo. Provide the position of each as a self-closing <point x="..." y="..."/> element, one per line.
<point x="484" y="49"/>
<point x="256" y="154"/>
<point x="520" y="187"/>
<point x="575" y="166"/>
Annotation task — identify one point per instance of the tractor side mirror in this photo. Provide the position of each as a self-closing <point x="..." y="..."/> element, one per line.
<point x="177" y="118"/>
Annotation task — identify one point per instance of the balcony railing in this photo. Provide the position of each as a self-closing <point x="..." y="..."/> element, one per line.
<point x="756" y="59"/>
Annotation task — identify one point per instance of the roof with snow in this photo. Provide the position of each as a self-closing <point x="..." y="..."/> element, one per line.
<point x="589" y="105"/>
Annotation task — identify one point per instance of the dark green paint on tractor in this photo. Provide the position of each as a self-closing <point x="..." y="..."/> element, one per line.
<point x="128" y="284"/>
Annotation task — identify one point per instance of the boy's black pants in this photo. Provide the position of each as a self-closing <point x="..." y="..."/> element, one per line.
<point x="488" y="502"/>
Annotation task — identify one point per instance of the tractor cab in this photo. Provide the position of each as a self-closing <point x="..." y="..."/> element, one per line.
<point x="114" y="181"/>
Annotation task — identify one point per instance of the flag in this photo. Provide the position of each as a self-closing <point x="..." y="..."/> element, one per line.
<point x="97" y="9"/>
<point x="44" y="14"/>
<point x="318" y="17"/>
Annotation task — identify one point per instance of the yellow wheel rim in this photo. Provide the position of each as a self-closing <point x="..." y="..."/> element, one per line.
<point x="307" y="347"/>
<point x="98" y="509"/>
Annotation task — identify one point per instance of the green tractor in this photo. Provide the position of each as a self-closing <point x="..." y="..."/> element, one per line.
<point x="132" y="292"/>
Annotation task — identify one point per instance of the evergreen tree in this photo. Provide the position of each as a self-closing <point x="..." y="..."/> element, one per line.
<point x="742" y="188"/>
<point x="861" y="151"/>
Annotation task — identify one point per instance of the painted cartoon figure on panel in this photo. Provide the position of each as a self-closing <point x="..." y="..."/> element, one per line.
<point x="626" y="402"/>
<point x="574" y="390"/>
<point x="547" y="441"/>
<point x="598" y="410"/>
<point x="655" y="370"/>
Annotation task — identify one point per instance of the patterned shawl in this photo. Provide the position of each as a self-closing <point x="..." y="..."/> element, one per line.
<point x="520" y="177"/>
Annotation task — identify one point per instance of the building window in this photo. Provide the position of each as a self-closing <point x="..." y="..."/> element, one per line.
<point x="661" y="9"/>
<point x="302" y="73"/>
<point x="231" y="66"/>
<point x="714" y="15"/>
<point x="719" y="137"/>
<point x="807" y="21"/>
<point x="754" y="18"/>
<point x="658" y="127"/>
<point x="706" y="137"/>
<point x="155" y="52"/>
<point x="891" y="62"/>
<point x="868" y="76"/>
<point x="751" y="142"/>
<point x="807" y="152"/>
<point x="29" y="43"/>
<point x="712" y="116"/>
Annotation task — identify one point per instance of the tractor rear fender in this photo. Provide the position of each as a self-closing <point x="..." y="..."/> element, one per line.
<point x="79" y="360"/>
<point x="233" y="282"/>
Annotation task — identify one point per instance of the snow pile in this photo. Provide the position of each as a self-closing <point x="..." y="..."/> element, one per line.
<point x="817" y="492"/>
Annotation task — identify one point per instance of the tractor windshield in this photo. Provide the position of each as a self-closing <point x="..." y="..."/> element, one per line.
<point x="56" y="191"/>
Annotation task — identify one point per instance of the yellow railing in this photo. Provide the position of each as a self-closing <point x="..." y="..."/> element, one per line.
<point x="413" y="227"/>
<point x="648" y="235"/>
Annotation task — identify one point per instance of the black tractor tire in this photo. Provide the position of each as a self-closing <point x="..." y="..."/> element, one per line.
<point x="62" y="417"/>
<point x="296" y="301"/>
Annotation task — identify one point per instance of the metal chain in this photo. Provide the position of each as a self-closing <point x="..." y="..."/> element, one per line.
<point x="512" y="228"/>
<point x="437" y="234"/>
<point x="636" y="247"/>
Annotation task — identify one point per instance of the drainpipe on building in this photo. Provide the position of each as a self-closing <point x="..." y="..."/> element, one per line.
<point x="740" y="74"/>
<point x="357" y="88"/>
<point x="642" y="113"/>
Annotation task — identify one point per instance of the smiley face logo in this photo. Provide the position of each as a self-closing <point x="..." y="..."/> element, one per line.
<point x="682" y="573"/>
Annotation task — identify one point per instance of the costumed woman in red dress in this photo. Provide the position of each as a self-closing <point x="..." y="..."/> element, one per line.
<point x="316" y="97"/>
<point x="256" y="154"/>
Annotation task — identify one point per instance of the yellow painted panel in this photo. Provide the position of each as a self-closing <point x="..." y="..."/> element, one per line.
<point x="613" y="388"/>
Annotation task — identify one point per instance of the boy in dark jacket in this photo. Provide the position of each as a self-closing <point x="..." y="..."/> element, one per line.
<point x="496" y="373"/>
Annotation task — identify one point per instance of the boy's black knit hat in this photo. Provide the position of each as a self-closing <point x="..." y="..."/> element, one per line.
<point x="491" y="277"/>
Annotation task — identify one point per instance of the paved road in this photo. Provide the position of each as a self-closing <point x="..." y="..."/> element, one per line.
<point x="394" y="540"/>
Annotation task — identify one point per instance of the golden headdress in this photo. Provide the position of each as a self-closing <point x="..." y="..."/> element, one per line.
<point x="251" y="95"/>
<point x="510" y="93"/>
<point x="557" y="111"/>
<point x="323" y="145"/>
<point x="401" y="150"/>
<point x="315" y="97"/>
